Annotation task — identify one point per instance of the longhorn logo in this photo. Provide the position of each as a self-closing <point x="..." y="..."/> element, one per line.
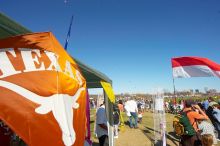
<point x="61" y="106"/>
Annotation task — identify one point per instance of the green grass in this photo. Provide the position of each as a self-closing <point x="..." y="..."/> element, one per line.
<point x="147" y="126"/>
<point x="92" y="124"/>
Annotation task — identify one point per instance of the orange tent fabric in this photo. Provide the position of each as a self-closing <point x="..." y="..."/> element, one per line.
<point x="38" y="81"/>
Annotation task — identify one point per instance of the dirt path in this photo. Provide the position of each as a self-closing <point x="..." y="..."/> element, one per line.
<point x="132" y="137"/>
<point x="144" y="135"/>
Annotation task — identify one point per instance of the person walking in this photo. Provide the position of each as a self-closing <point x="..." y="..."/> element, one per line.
<point x="132" y="106"/>
<point x="101" y="125"/>
<point x="206" y="128"/>
<point x="116" y="115"/>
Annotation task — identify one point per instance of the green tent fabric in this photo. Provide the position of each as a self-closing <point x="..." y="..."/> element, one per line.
<point x="8" y="27"/>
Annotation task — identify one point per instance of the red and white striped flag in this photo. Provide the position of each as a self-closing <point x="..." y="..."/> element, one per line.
<point x="186" y="67"/>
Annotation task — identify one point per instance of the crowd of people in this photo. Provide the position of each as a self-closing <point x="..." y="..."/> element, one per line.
<point x="204" y="118"/>
<point x="173" y="107"/>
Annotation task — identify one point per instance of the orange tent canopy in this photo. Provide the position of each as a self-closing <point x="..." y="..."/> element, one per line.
<point x="36" y="64"/>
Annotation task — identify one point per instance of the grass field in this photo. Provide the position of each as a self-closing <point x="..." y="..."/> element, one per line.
<point x="148" y="128"/>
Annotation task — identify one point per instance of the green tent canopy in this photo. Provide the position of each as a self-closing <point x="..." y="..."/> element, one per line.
<point x="8" y="27"/>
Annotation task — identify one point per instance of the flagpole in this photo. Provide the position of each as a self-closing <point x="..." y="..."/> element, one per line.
<point x="68" y="34"/>
<point x="174" y="88"/>
<point x="174" y="92"/>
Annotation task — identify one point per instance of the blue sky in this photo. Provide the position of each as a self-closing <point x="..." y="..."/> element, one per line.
<point x="131" y="41"/>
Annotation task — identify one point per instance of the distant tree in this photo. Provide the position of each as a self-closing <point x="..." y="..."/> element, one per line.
<point x="206" y="89"/>
<point x="197" y="91"/>
<point x="212" y="91"/>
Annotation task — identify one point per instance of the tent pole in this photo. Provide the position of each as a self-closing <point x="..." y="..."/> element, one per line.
<point x="68" y="34"/>
<point x="109" y="111"/>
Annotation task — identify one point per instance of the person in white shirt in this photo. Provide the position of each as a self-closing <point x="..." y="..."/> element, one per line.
<point x="127" y="110"/>
<point x="206" y="128"/>
<point x="132" y="106"/>
<point x="101" y="125"/>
